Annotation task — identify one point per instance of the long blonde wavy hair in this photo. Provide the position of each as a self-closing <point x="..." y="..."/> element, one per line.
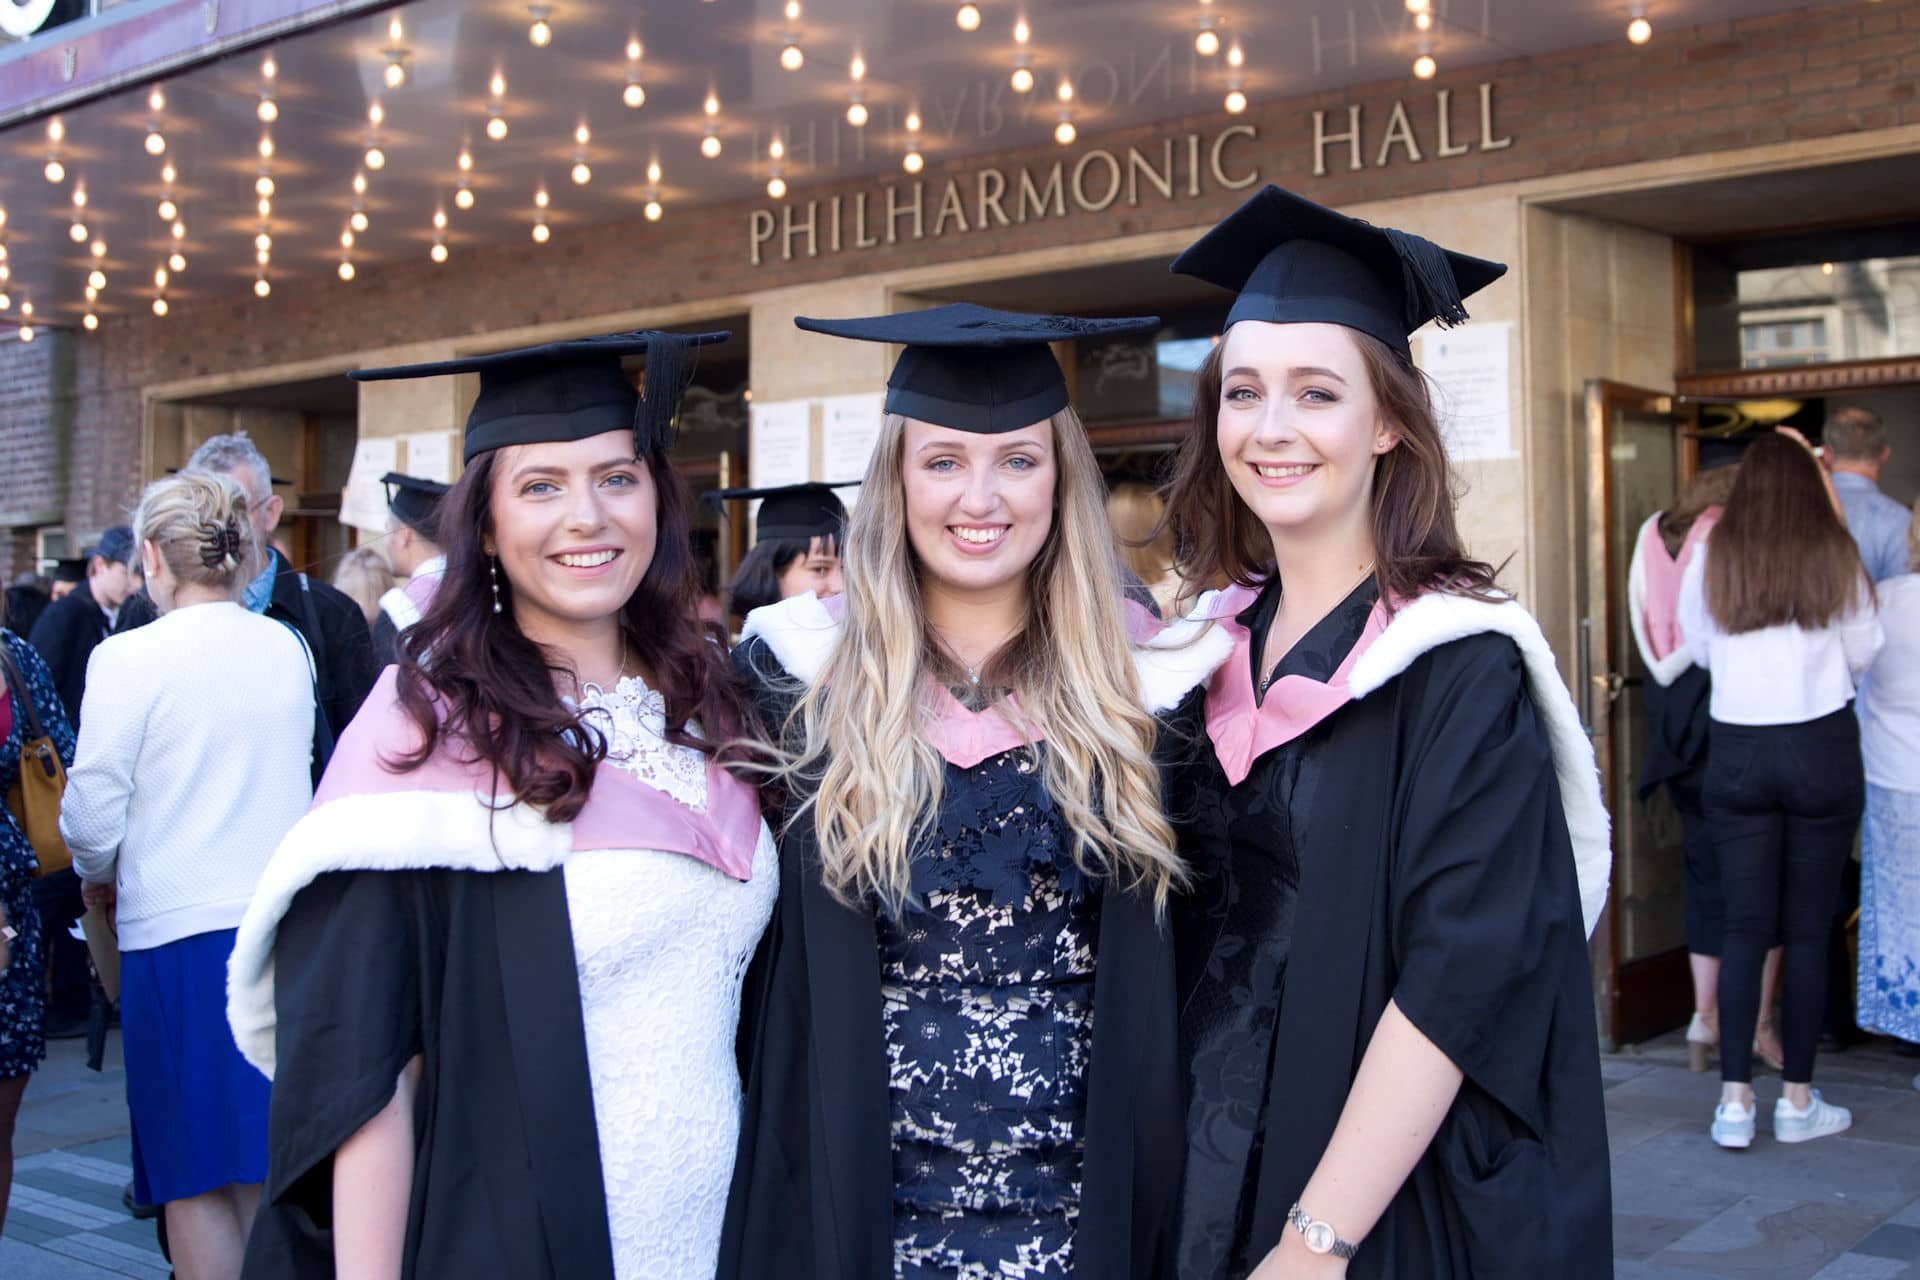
<point x="869" y="774"/>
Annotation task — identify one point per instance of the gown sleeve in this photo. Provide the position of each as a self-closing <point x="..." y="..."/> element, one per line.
<point x="349" y="963"/>
<point x="1484" y="908"/>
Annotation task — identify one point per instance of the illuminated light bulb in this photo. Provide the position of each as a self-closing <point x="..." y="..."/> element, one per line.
<point x="156" y="101"/>
<point x="269" y="68"/>
<point x="26" y="308"/>
<point x="266" y="148"/>
<point x="263" y="242"/>
<point x="263" y="185"/>
<point x="1424" y="67"/>
<point x="857" y="69"/>
<point x="463" y="198"/>
<point x="967" y="17"/>
<point x="358" y="220"/>
<point x="6" y="300"/>
<point x="79" y="197"/>
<point x="710" y="146"/>
<point x="159" y="277"/>
<point x="633" y="95"/>
<point x="346" y="239"/>
<point x="396" y="74"/>
<point x="540" y="32"/>
<point x="167" y="210"/>
<point x="653" y="171"/>
<point x="55" y="171"/>
<point x="857" y="114"/>
<point x="262" y="257"/>
<point x="1423" y="21"/>
<point x="56" y="130"/>
<point x="156" y="142"/>
<point x="438" y="253"/>
<point x="496" y="126"/>
<point x="465" y="161"/>
<point x="346" y="271"/>
<point x="90" y="293"/>
<point x="778" y="149"/>
<point x="1236" y="56"/>
<point x="913" y="162"/>
<point x="359" y="184"/>
<point x="77" y="232"/>
<point x="177" y="262"/>
<point x="376" y="114"/>
<point x="90" y="322"/>
<point x="26" y="333"/>
<point x="167" y="173"/>
<point x="1021" y="31"/>
<point x="1639" y="30"/>
<point x="375" y="158"/>
<point x="178" y="230"/>
<point x="792" y="10"/>
<point x="96" y="279"/>
<point x="497" y="86"/>
<point x="268" y="110"/>
<point x="635" y="50"/>
<point x="712" y="105"/>
<point x="653" y="211"/>
<point x="160" y="306"/>
<point x="540" y="233"/>
<point x="1066" y="91"/>
<point x="1826" y="268"/>
<point x="913" y="122"/>
<point x="581" y="174"/>
<point x="777" y="187"/>
<point x="541" y="199"/>
<point x="1207" y="42"/>
<point x="791" y="58"/>
<point x="99" y="248"/>
<point x="439" y="219"/>
<point x="1419" y="6"/>
<point x="1064" y="133"/>
<point x="582" y="135"/>
<point x="1022" y="80"/>
<point x="395" y="32"/>
<point x="1236" y="102"/>
<point x="261" y="287"/>
<point x="265" y="207"/>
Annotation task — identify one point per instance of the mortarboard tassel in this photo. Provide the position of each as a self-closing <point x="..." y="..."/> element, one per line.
<point x="669" y="371"/>
<point x="1432" y="292"/>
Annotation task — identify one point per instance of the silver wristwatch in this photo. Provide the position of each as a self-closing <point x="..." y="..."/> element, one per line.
<point x="1320" y="1236"/>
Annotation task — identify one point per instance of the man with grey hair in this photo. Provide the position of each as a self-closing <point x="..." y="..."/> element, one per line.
<point x="1855" y="446"/>
<point x="332" y="624"/>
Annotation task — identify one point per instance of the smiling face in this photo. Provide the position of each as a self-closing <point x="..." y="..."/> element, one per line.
<point x="1300" y="429"/>
<point x="817" y="571"/>
<point x="574" y="527"/>
<point x="979" y="507"/>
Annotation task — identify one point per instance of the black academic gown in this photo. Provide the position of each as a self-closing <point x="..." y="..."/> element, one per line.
<point x="474" y="972"/>
<point x="813" y="1186"/>
<point x="1434" y="869"/>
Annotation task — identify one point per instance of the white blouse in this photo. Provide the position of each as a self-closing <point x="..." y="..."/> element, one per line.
<point x="661" y="943"/>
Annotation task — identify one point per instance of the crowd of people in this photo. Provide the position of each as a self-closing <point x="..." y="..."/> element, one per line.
<point x="1043" y="881"/>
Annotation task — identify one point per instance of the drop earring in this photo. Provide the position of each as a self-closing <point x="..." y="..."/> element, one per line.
<point x="493" y="576"/>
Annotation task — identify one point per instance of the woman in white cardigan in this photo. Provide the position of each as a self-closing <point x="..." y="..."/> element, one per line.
<point x="193" y="765"/>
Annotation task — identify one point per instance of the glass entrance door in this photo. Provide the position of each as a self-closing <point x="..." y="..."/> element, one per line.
<point x="1635" y="466"/>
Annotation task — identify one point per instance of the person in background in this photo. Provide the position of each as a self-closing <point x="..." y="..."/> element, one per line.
<point x="27" y="599"/>
<point x="1888" y="999"/>
<point x="1138" y="517"/>
<point x="1779" y="609"/>
<point x="364" y="576"/>
<point x="796" y="544"/>
<point x="1676" y="753"/>
<point x="67" y="632"/>
<point x="22" y="986"/>
<point x="413" y="548"/>
<point x="1855" y="449"/>
<point x="331" y="623"/>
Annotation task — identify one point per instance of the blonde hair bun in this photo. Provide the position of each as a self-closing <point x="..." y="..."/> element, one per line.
<point x="199" y="524"/>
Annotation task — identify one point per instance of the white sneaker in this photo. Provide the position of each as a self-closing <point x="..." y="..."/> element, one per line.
<point x="1819" y="1120"/>
<point x="1733" y="1125"/>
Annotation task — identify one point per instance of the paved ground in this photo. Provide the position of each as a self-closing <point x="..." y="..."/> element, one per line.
<point x="1844" y="1208"/>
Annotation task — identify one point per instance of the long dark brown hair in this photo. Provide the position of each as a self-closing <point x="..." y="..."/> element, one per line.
<point x="1780" y="555"/>
<point x="1706" y="489"/>
<point x="1416" y="541"/>
<point x="473" y="682"/>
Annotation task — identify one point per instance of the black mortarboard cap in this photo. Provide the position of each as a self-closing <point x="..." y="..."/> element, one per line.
<point x="973" y="368"/>
<point x="69" y="571"/>
<point x="570" y="390"/>
<point x="797" y="511"/>
<point x="1294" y="262"/>
<point x="414" y="502"/>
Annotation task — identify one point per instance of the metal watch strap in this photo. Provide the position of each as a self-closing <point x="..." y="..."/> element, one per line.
<point x="1320" y="1236"/>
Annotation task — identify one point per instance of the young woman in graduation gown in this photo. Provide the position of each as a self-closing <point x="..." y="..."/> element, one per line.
<point x="958" y="1040"/>
<point x="1392" y="817"/>
<point x="495" y="971"/>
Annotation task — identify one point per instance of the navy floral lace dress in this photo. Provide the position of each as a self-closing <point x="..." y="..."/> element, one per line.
<point x="22" y="998"/>
<point x="987" y="997"/>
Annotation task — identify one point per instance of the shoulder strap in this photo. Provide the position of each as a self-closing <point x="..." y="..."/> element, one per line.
<point x="22" y="696"/>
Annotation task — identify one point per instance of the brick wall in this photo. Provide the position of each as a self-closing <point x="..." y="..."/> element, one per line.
<point x="36" y="419"/>
<point x="1802" y="74"/>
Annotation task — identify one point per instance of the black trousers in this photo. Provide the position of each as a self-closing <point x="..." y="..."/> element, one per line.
<point x="1783" y="802"/>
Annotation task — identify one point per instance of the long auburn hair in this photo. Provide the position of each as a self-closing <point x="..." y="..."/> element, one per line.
<point x="473" y="682"/>
<point x="1706" y="489"/>
<point x="1780" y="555"/>
<point x="1416" y="541"/>
<point x="872" y="780"/>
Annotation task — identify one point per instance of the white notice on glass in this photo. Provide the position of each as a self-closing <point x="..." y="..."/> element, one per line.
<point x="1469" y="368"/>
<point x="430" y="455"/>
<point x="363" y="503"/>
<point x="849" y="430"/>
<point x="777" y="444"/>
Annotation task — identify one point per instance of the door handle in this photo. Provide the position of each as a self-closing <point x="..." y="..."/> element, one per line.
<point x="1584" y="661"/>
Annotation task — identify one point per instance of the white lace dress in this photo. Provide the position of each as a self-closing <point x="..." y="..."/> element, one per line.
<point x="661" y="942"/>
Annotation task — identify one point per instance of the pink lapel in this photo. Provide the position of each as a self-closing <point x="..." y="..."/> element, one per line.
<point x="621" y="813"/>
<point x="1243" y="731"/>
<point x="964" y="738"/>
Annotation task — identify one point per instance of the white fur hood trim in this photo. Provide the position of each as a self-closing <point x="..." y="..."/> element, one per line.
<point x="395" y="831"/>
<point x="800" y="632"/>
<point x="1434" y="620"/>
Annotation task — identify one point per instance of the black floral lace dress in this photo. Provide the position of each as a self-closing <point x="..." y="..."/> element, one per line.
<point x="987" y="994"/>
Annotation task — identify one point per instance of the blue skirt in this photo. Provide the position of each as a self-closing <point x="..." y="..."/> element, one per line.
<point x="1889" y="980"/>
<point x="199" y="1108"/>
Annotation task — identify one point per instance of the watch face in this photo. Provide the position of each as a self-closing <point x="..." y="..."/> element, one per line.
<point x="1320" y="1237"/>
